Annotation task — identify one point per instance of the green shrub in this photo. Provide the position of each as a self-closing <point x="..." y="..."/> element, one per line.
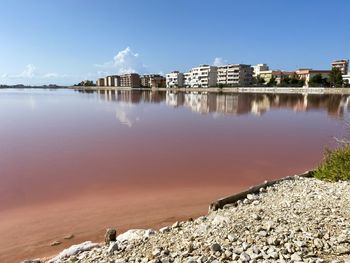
<point x="335" y="166"/>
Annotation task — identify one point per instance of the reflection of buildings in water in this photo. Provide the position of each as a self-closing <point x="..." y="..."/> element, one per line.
<point x="174" y="99"/>
<point x="197" y="102"/>
<point x="129" y="96"/>
<point x="260" y="106"/>
<point x="227" y="103"/>
<point x="233" y="103"/>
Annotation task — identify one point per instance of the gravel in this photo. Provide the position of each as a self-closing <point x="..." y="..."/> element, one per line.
<point x="301" y="220"/>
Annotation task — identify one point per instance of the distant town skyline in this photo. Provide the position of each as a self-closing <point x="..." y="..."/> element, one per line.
<point x="64" y="42"/>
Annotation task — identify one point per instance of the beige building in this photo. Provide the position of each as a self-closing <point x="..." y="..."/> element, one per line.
<point x="235" y="75"/>
<point x="100" y="82"/>
<point x="279" y="75"/>
<point x="112" y="81"/>
<point x="131" y="80"/>
<point x="342" y="64"/>
<point x="258" y="68"/>
<point x="307" y="74"/>
<point x="153" y="81"/>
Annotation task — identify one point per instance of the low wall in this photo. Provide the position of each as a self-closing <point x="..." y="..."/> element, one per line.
<point x="273" y="90"/>
<point x="219" y="204"/>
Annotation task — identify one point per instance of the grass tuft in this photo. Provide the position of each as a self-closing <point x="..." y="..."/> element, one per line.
<point x="335" y="165"/>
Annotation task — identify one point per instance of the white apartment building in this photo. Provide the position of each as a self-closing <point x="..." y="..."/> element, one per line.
<point x="174" y="79"/>
<point x="258" y="68"/>
<point x="346" y="78"/>
<point x="235" y="75"/>
<point x="187" y="79"/>
<point x="204" y="76"/>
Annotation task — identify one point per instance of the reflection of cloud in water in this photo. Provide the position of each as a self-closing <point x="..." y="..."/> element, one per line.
<point x="123" y="113"/>
<point x="123" y="118"/>
<point x="32" y="103"/>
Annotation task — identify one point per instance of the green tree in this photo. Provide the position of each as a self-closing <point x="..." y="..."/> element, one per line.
<point x="272" y="82"/>
<point x="318" y="81"/>
<point x="285" y="82"/>
<point x="260" y="81"/>
<point x="220" y="85"/>
<point x="335" y="78"/>
<point x="296" y="82"/>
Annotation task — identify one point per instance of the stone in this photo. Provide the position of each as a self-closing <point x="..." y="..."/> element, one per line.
<point x="232" y="237"/>
<point x="318" y="243"/>
<point x="113" y="246"/>
<point x="215" y="247"/>
<point x="69" y="236"/>
<point x="164" y="229"/>
<point x="295" y="257"/>
<point x="73" y="250"/>
<point x="244" y="257"/>
<point x="256" y="217"/>
<point x="56" y="243"/>
<point x="111" y="235"/>
<point x="176" y="224"/>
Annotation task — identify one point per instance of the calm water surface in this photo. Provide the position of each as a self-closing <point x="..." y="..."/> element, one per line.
<point x="56" y="143"/>
<point x="74" y="162"/>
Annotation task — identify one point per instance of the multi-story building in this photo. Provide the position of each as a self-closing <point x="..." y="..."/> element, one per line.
<point x="174" y="79"/>
<point x="157" y="81"/>
<point x="204" y="76"/>
<point x="258" y="68"/>
<point x="346" y="78"/>
<point x="235" y="75"/>
<point x="279" y="75"/>
<point x="144" y="80"/>
<point x="307" y="74"/>
<point x="152" y="81"/>
<point x="112" y="81"/>
<point x="131" y="80"/>
<point x="187" y="79"/>
<point x="342" y="64"/>
<point x="100" y="82"/>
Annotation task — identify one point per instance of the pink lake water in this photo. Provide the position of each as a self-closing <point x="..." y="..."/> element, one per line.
<point x="75" y="162"/>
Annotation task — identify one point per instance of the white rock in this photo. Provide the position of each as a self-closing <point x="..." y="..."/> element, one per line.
<point x="73" y="250"/>
<point x="132" y="234"/>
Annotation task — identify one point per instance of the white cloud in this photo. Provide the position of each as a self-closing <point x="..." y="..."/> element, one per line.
<point x="28" y="72"/>
<point x="125" y="61"/>
<point x="102" y="73"/>
<point x="219" y="61"/>
<point x="50" y="75"/>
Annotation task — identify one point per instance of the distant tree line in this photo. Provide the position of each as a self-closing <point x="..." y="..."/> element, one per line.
<point x="86" y="83"/>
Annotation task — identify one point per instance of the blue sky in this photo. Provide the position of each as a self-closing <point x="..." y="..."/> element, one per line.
<point x="65" y="41"/>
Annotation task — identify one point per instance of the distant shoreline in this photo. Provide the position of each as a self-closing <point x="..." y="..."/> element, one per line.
<point x="277" y="90"/>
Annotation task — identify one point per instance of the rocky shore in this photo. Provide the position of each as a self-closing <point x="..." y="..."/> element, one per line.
<point x="299" y="220"/>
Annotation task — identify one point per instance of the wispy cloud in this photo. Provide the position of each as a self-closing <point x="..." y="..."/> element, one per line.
<point x="51" y="75"/>
<point x="219" y="61"/>
<point x="28" y="72"/>
<point x="125" y="61"/>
